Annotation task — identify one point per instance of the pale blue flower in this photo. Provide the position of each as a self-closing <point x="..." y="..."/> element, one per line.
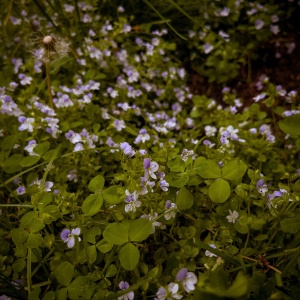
<point x="188" y="279"/>
<point x="168" y="293"/>
<point x="124" y="285"/>
<point x="68" y="236"/>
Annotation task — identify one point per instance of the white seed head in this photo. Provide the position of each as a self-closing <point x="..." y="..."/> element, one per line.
<point x="47" y="40"/>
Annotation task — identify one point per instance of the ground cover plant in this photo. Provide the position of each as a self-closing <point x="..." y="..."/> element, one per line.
<point x="119" y="182"/>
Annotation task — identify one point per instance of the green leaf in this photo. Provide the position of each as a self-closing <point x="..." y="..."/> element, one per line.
<point x="62" y="294"/>
<point x="176" y="165"/>
<point x="207" y="168"/>
<point x="32" y="222"/>
<point x="92" y="233"/>
<point x="111" y="271"/>
<point x="219" y="191"/>
<point x="290" y="125"/>
<point x="139" y="230"/>
<point x="8" y="142"/>
<point x="261" y="237"/>
<point x="49" y="155"/>
<point x="177" y="180"/>
<point x="92" y="204"/>
<point x="19" y="236"/>
<point x="34" y="240"/>
<point x="49" y="296"/>
<point x="184" y="199"/>
<point x="13" y="164"/>
<point x="96" y="184"/>
<point x="91" y="254"/>
<point x="234" y="170"/>
<point x="129" y="257"/>
<point x="81" y="288"/>
<point x="49" y="214"/>
<point x="42" y="148"/>
<point x="290" y="225"/>
<point x="19" y="265"/>
<point x="104" y="248"/>
<point x="64" y="273"/>
<point x="111" y="195"/>
<point x="239" y="287"/>
<point x="116" y="233"/>
<point x="242" y="225"/>
<point x="29" y="161"/>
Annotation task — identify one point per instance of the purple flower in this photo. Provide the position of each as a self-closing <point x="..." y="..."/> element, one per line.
<point x="72" y="176"/>
<point x="27" y="124"/>
<point x="150" y="167"/>
<point x="171" y="210"/>
<point x="24" y="80"/>
<point x="68" y="236"/>
<point x="119" y="125"/>
<point x="164" y="185"/>
<point x="208" y="143"/>
<point x="29" y="148"/>
<point x="169" y="293"/>
<point x="132" y="200"/>
<point x="152" y="217"/>
<point x="124" y="285"/>
<point x="73" y="137"/>
<point x="259" y="24"/>
<point x="21" y="190"/>
<point x="78" y="147"/>
<point x="208" y="48"/>
<point x="127" y="149"/>
<point x="18" y="62"/>
<point x="186" y="154"/>
<point x="142" y="137"/>
<point x="188" y="279"/>
<point x="260" y="183"/>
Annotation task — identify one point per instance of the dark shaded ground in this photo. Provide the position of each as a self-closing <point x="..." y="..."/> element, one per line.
<point x="283" y="70"/>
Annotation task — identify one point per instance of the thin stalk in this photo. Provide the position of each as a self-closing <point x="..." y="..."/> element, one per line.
<point x="16" y="205"/>
<point x="8" y="14"/>
<point x="49" y="83"/>
<point x="29" y="270"/>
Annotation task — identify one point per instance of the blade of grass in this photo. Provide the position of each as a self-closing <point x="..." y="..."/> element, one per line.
<point x="166" y="21"/>
<point x="43" y="11"/>
<point x="183" y="11"/>
<point x="226" y="257"/>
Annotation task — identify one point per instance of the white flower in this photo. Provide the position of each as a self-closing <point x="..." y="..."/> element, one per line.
<point x="27" y="124"/>
<point x="119" y="125"/>
<point x="233" y="216"/>
<point x="171" y="210"/>
<point x="208" y="253"/>
<point x="188" y="279"/>
<point x="169" y="293"/>
<point x="150" y="167"/>
<point x="210" y="130"/>
<point x="132" y="200"/>
<point x="151" y="218"/>
<point x="29" y="148"/>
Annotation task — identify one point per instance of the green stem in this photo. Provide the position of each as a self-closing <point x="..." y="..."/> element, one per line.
<point x="16" y="205"/>
<point x="49" y="83"/>
<point x="29" y="270"/>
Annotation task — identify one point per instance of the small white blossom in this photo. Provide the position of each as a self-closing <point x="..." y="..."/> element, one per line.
<point x="233" y="216"/>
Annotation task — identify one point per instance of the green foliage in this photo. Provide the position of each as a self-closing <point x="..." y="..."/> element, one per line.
<point x="121" y="175"/>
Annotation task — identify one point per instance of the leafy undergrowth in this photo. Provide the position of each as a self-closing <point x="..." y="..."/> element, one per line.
<point x="117" y="182"/>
